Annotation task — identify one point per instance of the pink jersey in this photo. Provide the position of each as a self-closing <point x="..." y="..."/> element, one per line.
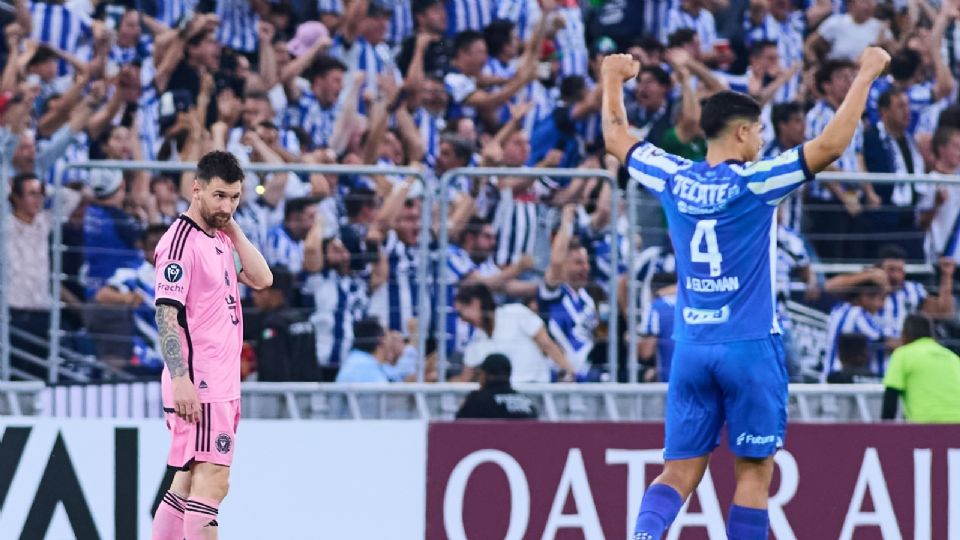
<point x="197" y="274"/>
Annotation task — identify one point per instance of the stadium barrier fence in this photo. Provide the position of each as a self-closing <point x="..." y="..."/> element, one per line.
<point x="561" y="402"/>
<point x="55" y="357"/>
<point x="444" y="242"/>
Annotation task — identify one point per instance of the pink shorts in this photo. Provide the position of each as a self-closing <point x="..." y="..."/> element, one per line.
<point x="211" y="440"/>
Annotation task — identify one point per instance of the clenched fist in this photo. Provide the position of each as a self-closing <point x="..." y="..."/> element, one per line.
<point x="622" y="66"/>
<point x="873" y="61"/>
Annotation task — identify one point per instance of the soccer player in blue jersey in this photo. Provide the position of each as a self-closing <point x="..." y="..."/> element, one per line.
<point x="729" y="362"/>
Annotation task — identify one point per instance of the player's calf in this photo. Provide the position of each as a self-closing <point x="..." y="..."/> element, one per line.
<point x="748" y="519"/>
<point x="168" y="521"/>
<point x="208" y="488"/>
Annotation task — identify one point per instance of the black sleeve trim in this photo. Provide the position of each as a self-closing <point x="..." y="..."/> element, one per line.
<point x="807" y="175"/>
<point x="169" y="302"/>
<point x="636" y="145"/>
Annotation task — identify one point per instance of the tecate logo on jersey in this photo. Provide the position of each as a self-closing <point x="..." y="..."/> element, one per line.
<point x="706" y="316"/>
<point x="747" y="438"/>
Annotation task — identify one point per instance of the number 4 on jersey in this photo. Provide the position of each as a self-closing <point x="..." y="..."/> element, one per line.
<point x="706" y="231"/>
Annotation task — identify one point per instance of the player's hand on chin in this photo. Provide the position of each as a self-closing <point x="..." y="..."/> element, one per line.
<point x="622" y="66"/>
<point x="185" y="400"/>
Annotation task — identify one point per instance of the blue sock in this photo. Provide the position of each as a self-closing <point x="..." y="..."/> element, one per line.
<point x="747" y="523"/>
<point x="657" y="511"/>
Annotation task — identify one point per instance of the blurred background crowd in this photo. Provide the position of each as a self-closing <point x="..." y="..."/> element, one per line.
<point x="444" y="84"/>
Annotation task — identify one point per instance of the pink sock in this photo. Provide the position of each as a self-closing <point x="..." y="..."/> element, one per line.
<point x="200" y="520"/>
<point x="168" y="521"/>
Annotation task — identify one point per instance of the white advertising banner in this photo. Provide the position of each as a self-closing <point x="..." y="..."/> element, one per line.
<point x="63" y="479"/>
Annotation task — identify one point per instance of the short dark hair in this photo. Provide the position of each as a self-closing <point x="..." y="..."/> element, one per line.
<point x="681" y="37"/>
<point x="16" y="184"/>
<point x="941" y="138"/>
<point x="885" y="98"/>
<point x="323" y="65"/>
<point x="465" y="39"/>
<point x="497" y="35"/>
<point x="949" y="117"/>
<point x="297" y="205"/>
<point x="904" y="64"/>
<point x="219" y="164"/>
<point x="419" y="6"/>
<point x="44" y="54"/>
<point x="157" y="229"/>
<point x="283" y="280"/>
<point x="852" y="349"/>
<point x="759" y="45"/>
<point x="783" y="112"/>
<point x="826" y="71"/>
<point x="722" y="107"/>
<point x="367" y="333"/>
<point x="868" y="288"/>
<point x="359" y="198"/>
<point x="572" y="88"/>
<point x="658" y="74"/>
<point x="462" y="147"/>
<point x="258" y="96"/>
<point x="197" y="38"/>
<point x="475" y="225"/>
<point x="891" y="251"/>
<point x="916" y="326"/>
<point x="650" y="43"/>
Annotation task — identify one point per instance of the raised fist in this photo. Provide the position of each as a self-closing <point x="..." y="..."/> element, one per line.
<point x="874" y="61"/>
<point x="622" y="66"/>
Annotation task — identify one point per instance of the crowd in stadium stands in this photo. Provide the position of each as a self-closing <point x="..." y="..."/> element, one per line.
<point x="443" y="84"/>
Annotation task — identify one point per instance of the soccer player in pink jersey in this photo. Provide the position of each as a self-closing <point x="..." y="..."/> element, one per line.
<point x="199" y="262"/>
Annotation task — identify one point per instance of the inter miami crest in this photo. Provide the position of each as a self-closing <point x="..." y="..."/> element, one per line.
<point x="223" y="443"/>
<point x="173" y="272"/>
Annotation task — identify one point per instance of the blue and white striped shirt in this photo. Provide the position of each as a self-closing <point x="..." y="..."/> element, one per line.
<point x="920" y="96"/>
<point x="788" y="35"/>
<point x="63" y="28"/>
<point x="372" y="60"/>
<point x="283" y="250"/>
<point x="703" y="23"/>
<point x="515" y="223"/>
<point x="238" y="25"/>
<point x="906" y="300"/>
<point x="817" y="119"/>
<point x="169" y="11"/>
<point x="338" y="301"/>
<point x="468" y="15"/>
<point x="571" y="43"/>
<point x="146" y="340"/>
<point x="396" y="301"/>
<point x="571" y="317"/>
<point x="525" y="14"/>
<point x="431" y="128"/>
<point x="330" y="6"/>
<point x="658" y="322"/>
<point x="315" y="119"/>
<point x="401" y="23"/>
<point x="847" y="318"/>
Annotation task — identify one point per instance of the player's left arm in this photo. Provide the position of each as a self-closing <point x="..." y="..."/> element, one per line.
<point x="254" y="272"/>
<point x="839" y="132"/>
<point x="617" y="69"/>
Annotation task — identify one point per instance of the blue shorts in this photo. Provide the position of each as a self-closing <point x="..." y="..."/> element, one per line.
<point x="742" y="383"/>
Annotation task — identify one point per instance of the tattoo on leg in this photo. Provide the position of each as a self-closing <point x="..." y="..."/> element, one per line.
<point x="169" y="330"/>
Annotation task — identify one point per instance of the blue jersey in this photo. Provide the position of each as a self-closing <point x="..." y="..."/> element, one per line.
<point x="722" y="223"/>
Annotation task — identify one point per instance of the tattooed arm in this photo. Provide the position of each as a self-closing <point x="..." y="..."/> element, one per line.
<point x="616" y="69"/>
<point x="186" y="402"/>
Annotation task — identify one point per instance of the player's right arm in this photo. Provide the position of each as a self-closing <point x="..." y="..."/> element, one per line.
<point x="830" y="144"/>
<point x="615" y="70"/>
<point x="174" y="272"/>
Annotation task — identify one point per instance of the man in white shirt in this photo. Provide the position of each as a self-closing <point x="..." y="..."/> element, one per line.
<point x="844" y="37"/>
<point x="939" y="208"/>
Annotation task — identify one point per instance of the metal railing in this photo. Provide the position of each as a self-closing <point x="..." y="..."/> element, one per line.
<point x="55" y="356"/>
<point x="21" y="397"/>
<point x="617" y="402"/>
<point x="444" y="242"/>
